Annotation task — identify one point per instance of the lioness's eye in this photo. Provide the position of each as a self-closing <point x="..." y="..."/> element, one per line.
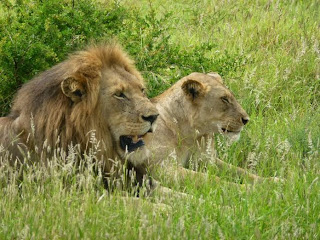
<point x="225" y="99"/>
<point x="120" y="95"/>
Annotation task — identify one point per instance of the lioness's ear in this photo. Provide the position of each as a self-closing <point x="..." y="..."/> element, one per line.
<point x="193" y="88"/>
<point x="216" y="76"/>
<point x="73" y="89"/>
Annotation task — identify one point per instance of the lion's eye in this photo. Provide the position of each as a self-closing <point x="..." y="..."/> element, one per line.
<point x="120" y="95"/>
<point x="225" y="99"/>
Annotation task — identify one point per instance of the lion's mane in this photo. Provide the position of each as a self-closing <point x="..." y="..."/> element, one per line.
<point x="43" y="114"/>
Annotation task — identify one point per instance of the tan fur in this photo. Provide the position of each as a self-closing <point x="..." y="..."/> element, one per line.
<point x="196" y="107"/>
<point x="76" y="98"/>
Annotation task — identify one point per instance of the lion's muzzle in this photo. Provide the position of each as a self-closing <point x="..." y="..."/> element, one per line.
<point x="131" y="143"/>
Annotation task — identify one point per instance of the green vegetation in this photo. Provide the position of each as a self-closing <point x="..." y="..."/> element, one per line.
<point x="268" y="52"/>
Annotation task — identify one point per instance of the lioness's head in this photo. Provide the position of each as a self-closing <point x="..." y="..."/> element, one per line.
<point x="213" y="106"/>
<point x="109" y="86"/>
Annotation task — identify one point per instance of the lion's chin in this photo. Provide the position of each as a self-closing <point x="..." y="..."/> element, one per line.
<point x="133" y="148"/>
<point x="139" y="156"/>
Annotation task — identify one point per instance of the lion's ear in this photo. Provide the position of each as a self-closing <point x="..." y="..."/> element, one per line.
<point x="73" y="89"/>
<point x="216" y="76"/>
<point x="193" y="88"/>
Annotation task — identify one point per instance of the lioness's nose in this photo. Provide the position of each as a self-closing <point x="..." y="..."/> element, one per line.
<point x="150" y="118"/>
<point x="245" y="120"/>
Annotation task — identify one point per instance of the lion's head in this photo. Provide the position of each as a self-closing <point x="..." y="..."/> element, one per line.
<point x="213" y="106"/>
<point x="127" y="111"/>
<point x="96" y="92"/>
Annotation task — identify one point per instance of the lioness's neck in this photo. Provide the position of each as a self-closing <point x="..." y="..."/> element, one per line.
<point x="176" y="122"/>
<point x="172" y="107"/>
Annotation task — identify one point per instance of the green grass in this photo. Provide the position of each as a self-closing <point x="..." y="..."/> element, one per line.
<point x="269" y="55"/>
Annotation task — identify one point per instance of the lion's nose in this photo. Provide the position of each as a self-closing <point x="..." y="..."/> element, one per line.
<point x="245" y="120"/>
<point x="150" y="118"/>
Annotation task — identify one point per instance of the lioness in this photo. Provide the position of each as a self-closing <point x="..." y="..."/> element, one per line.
<point x="97" y="90"/>
<point x="195" y="107"/>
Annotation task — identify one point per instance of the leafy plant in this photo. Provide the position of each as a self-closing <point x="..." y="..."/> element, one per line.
<point x="35" y="35"/>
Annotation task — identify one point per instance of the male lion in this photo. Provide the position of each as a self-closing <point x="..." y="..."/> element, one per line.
<point x="194" y="108"/>
<point x="96" y="90"/>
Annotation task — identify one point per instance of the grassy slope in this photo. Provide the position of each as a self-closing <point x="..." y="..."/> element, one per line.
<point x="277" y="82"/>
